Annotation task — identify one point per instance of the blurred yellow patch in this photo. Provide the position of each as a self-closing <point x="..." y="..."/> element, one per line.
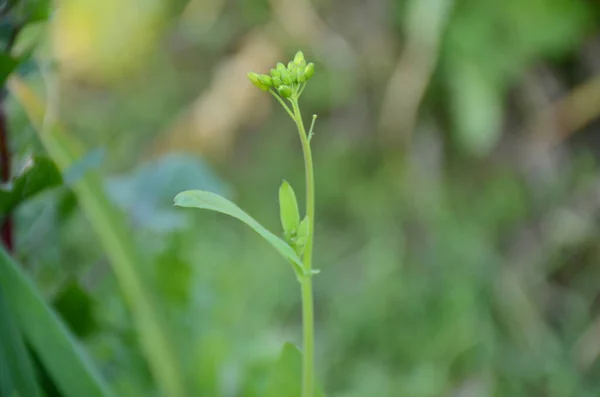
<point x="104" y="40"/>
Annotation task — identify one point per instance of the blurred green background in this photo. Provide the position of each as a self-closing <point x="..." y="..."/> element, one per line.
<point x="458" y="196"/>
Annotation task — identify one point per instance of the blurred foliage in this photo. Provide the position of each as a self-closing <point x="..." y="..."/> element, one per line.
<point x="16" y="369"/>
<point x="63" y="365"/>
<point x="463" y="262"/>
<point x="284" y="378"/>
<point x="489" y="44"/>
<point x="40" y="174"/>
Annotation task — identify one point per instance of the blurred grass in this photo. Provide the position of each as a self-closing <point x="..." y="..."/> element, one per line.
<point x="108" y="223"/>
<point x="70" y="368"/>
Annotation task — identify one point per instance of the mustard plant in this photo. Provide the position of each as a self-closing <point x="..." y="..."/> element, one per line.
<point x="286" y="84"/>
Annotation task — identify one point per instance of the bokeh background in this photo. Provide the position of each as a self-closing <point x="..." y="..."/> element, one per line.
<point x="457" y="183"/>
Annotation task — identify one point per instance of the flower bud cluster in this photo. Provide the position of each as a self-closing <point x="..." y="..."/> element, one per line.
<point x="286" y="80"/>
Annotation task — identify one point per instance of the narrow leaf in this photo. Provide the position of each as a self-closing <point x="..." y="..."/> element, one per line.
<point x="288" y="210"/>
<point x="214" y="202"/>
<point x="61" y="355"/>
<point x="16" y="369"/>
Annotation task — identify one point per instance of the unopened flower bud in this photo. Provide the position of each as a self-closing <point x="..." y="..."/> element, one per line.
<point x="276" y="81"/>
<point x="309" y="70"/>
<point x="286" y="79"/>
<point x="266" y="80"/>
<point x="285" y="91"/>
<point x="299" y="58"/>
<point x="281" y="67"/>
<point x="275" y="73"/>
<point x="255" y="79"/>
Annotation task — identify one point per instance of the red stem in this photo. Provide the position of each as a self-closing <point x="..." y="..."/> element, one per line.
<point x="6" y="230"/>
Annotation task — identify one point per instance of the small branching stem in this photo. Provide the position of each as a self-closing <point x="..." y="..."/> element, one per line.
<point x="312" y="126"/>
<point x="287" y="109"/>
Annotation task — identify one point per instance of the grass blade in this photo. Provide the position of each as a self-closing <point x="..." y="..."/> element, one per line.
<point x="16" y="369"/>
<point x="61" y="355"/>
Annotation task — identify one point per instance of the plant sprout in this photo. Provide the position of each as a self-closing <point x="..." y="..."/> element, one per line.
<point x="285" y="83"/>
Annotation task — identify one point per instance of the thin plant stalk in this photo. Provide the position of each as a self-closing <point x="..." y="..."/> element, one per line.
<point x="308" y="383"/>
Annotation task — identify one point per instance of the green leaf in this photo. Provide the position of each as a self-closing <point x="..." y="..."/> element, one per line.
<point x="288" y="210"/>
<point x="41" y="174"/>
<point x="76" y="307"/>
<point x="301" y="236"/>
<point x="286" y="376"/>
<point x="60" y="354"/>
<point x="24" y="12"/>
<point x="214" y="202"/>
<point x="116" y="238"/>
<point x="7" y="65"/>
<point x="17" y="375"/>
<point x="38" y="10"/>
<point x="27" y="41"/>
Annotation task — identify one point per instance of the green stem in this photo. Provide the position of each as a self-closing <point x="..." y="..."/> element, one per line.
<point x="312" y="126"/>
<point x="308" y="382"/>
<point x="282" y="104"/>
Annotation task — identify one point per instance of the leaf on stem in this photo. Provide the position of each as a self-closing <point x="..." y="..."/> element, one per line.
<point x="301" y="236"/>
<point x="288" y="210"/>
<point x="211" y="201"/>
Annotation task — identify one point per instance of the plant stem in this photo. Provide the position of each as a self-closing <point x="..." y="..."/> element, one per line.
<point x="6" y="230"/>
<point x="282" y="104"/>
<point x="308" y="382"/>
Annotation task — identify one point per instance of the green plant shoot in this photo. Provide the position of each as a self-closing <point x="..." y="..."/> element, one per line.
<point x="285" y="83"/>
